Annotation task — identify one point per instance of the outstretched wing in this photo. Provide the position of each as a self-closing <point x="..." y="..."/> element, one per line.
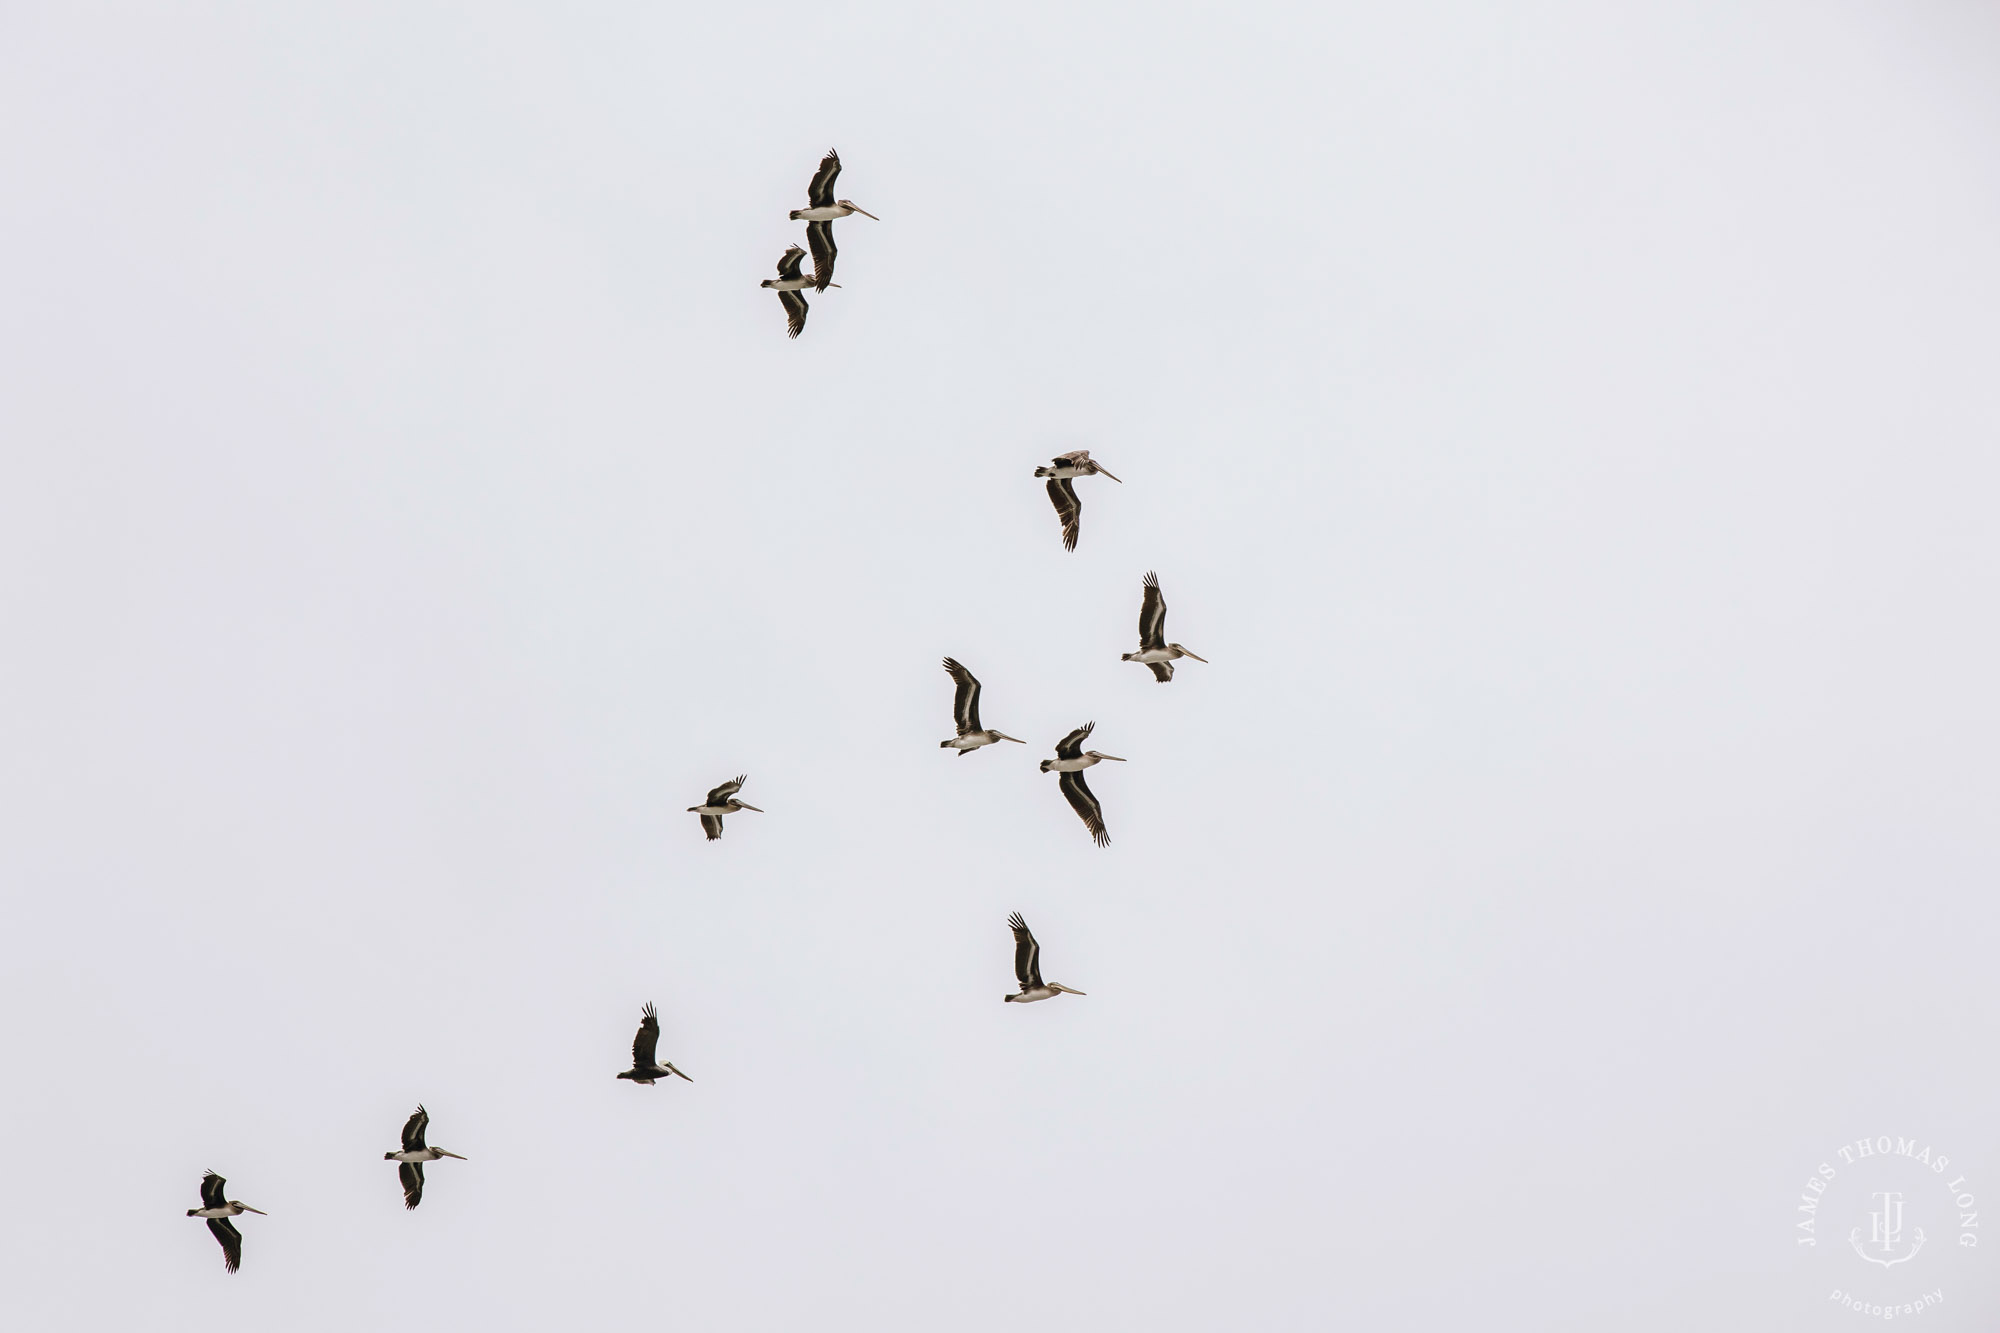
<point x="712" y="826"/>
<point x="819" y="235"/>
<point x="413" y="1130"/>
<point x="1086" y="807"/>
<point x="1162" y="671"/>
<point x="1068" y="509"/>
<point x="727" y="790"/>
<point x="788" y="262"/>
<point x="230" y="1239"/>
<point x="965" y="703"/>
<point x="1071" y="746"/>
<point x="647" y="1041"/>
<point x="1074" y="456"/>
<point x="412" y="1174"/>
<point x="211" y="1190"/>
<point x="795" y="312"/>
<point x="1152" y="616"/>
<point x="1027" y="954"/>
<point x="820" y="193"/>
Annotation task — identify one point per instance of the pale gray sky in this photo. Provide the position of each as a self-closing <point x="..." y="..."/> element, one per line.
<point x="1568" y="431"/>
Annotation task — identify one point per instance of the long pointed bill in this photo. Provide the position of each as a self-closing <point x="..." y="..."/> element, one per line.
<point x="1109" y="475"/>
<point x="748" y="807"/>
<point x="1112" y="757"/>
<point x="445" y="1153"/>
<point x="1198" y="659"/>
<point x="259" y="1211"/>
<point x="672" y="1070"/>
<point x="865" y="213"/>
<point x="1016" y="739"/>
<point x="1056" y="985"/>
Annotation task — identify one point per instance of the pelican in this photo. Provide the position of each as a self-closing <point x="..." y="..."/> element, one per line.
<point x="819" y="213"/>
<point x="218" y="1211"/>
<point x="965" y="712"/>
<point x="722" y="801"/>
<point x="414" y="1155"/>
<point x="1028" y="967"/>
<point x="1070" y="761"/>
<point x="1076" y="463"/>
<point x="646" y="1068"/>
<point x="788" y="284"/>
<point x="1154" y="650"/>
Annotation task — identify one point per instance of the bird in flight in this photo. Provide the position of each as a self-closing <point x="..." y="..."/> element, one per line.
<point x="1028" y="968"/>
<point x="218" y="1211"/>
<point x="1069" y="509"/>
<point x="790" y="286"/>
<point x="965" y="712"/>
<point x="1154" y="650"/>
<point x="1070" y="761"/>
<point x="819" y="214"/>
<point x="646" y="1067"/>
<point x="413" y="1155"/>
<point x="722" y="801"/>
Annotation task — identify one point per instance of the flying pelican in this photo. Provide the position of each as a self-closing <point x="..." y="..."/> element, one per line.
<point x="1028" y="967"/>
<point x="965" y="711"/>
<point x="1069" y="509"/>
<point x="646" y="1068"/>
<point x="1154" y="650"/>
<point x="413" y="1156"/>
<point x="722" y="801"/>
<point x="1070" y="761"/>
<point x="788" y="284"/>
<point x="218" y="1211"/>
<point x="819" y="213"/>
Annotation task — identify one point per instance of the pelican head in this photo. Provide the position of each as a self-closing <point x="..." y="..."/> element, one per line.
<point x="1185" y="653"/>
<point x="853" y="207"/>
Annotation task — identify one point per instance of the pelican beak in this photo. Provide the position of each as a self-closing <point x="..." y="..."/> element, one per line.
<point x="1056" y="985"/>
<point x="1112" y="757"/>
<point x="1198" y="659"/>
<point x="446" y="1152"/>
<point x="259" y="1211"/>
<point x="1016" y="739"/>
<point x="747" y="806"/>
<point x="866" y="214"/>
<point x="1109" y="475"/>
<point x="672" y="1070"/>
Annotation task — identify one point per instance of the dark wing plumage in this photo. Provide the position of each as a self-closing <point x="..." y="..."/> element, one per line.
<point x="819" y="235"/>
<point x="1152" y="615"/>
<point x="413" y="1130"/>
<point x="1068" y="508"/>
<point x="412" y="1174"/>
<point x="647" y="1041"/>
<point x="1162" y="671"/>
<point x="712" y="826"/>
<point x="1027" y="954"/>
<point x="795" y="312"/>
<point x="965" y="702"/>
<point x="1071" y="746"/>
<point x="230" y="1239"/>
<point x="788" y="262"/>
<point x="727" y="790"/>
<point x="211" y="1190"/>
<point x="1078" y="456"/>
<point x="819" y="194"/>
<point x="1086" y="806"/>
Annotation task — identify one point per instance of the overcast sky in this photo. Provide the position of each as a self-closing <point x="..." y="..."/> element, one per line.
<point x="1567" y="429"/>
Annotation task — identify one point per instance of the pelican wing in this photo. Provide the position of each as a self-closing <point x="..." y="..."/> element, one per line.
<point x="1027" y="954"/>
<point x="413" y="1130"/>
<point x="1162" y="671"/>
<point x="1077" y="457"/>
<point x="965" y="703"/>
<point x="1068" y="509"/>
<point x="647" y="1041"/>
<point x="1071" y="746"/>
<point x="820" y="193"/>
<point x="211" y="1190"/>
<point x="1086" y="807"/>
<point x="795" y="312"/>
<point x="727" y="790"/>
<point x="231" y="1240"/>
<point x="412" y="1174"/>
<point x="1152" y="616"/>
<point x="788" y="262"/>
<point x="712" y="826"/>
<point x="819" y="235"/>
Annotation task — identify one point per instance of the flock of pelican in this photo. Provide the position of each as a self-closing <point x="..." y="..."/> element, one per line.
<point x="1069" y="763"/>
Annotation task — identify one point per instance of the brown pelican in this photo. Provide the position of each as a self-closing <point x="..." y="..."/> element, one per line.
<point x="218" y="1211"/>
<point x="722" y="801"/>
<point x="788" y="284"/>
<point x="965" y="711"/>
<point x="819" y="213"/>
<point x="646" y="1068"/>
<point x="1070" y="761"/>
<point x="1154" y="650"/>
<point x="413" y="1156"/>
<point x="1069" y="509"/>
<point x="1028" y="967"/>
